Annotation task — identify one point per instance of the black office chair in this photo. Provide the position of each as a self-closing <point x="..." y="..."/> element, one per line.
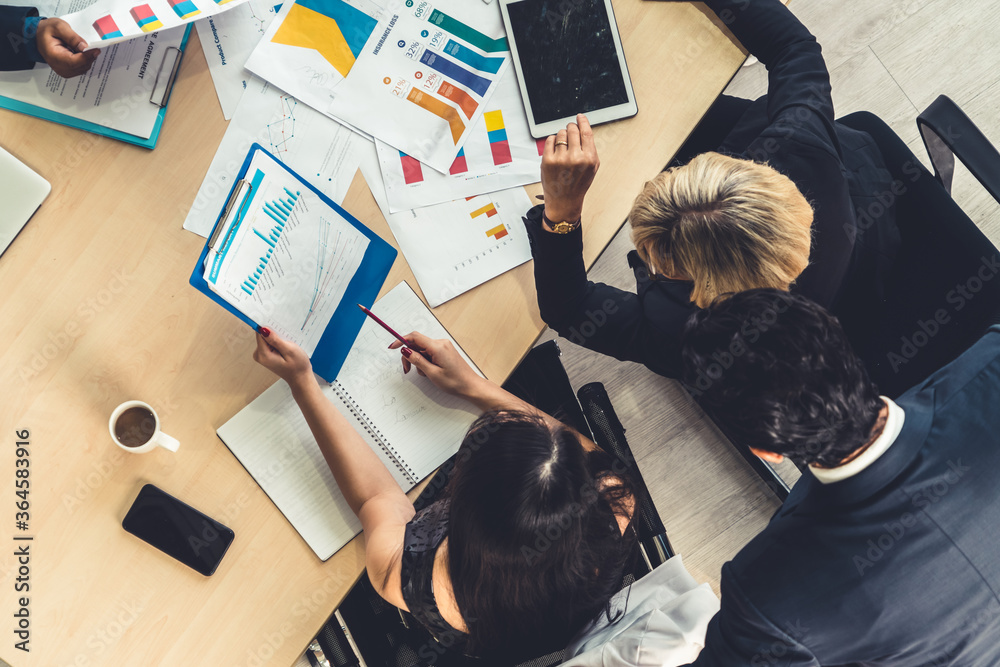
<point x="385" y="637"/>
<point x="941" y="294"/>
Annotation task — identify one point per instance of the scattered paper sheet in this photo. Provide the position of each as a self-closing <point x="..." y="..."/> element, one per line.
<point x="317" y="148"/>
<point x="312" y="44"/>
<point x="499" y="154"/>
<point x="287" y="258"/>
<point x="108" y="22"/>
<point x="456" y="246"/>
<point x="227" y="40"/>
<point x="417" y="78"/>
<point x="426" y="75"/>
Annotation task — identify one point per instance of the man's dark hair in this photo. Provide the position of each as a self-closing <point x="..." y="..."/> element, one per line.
<point x="775" y="371"/>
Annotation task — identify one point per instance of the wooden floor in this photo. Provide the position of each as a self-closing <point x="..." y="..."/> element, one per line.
<point x="892" y="58"/>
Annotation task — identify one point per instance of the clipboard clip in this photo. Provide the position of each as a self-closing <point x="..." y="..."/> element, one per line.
<point x="242" y="187"/>
<point x="161" y="92"/>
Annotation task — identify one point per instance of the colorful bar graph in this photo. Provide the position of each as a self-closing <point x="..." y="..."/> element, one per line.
<point x="497" y="134"/>
<point x="541" y="145"/>
<point x="184" y="8"/>
<point x="440" y="109"/>
<point x="221" y="2"/>
<point x="471" y="58"/>
<point x="497" y="232"/>
<point x="490" y="210"/>
<point x="145" y="18"/>
<point x="107" y="28"/>
<point x="460" y="165"/>
<point x="459" y="97"/>
<point x="455" y="71"/>
<point x="467" y="34"/>
<point x="411" y="169"/>
<point x="279" y="210"/>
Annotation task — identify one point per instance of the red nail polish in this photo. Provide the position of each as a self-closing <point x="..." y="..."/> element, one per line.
<point x="265" y="332"/>
<point x="407" y="352"/>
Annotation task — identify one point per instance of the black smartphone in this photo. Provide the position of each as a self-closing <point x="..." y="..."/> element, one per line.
<point x="178" y="530"/>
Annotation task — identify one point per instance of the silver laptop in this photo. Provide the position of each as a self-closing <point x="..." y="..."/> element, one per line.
<point x="22" y="191"/>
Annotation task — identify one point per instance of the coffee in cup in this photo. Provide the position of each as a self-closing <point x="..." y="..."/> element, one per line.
<point x="135" y="427"/>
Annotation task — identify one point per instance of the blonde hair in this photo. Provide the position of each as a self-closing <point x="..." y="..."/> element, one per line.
<point x="728" y="225"/>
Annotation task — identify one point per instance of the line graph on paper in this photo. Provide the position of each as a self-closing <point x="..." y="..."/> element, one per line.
<point x="261" y="22"/>
<point x="281" y="131"/>
<point x="329" y="264"/>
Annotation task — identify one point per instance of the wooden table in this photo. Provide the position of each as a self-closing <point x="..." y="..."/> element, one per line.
<point x="97" y="310"/>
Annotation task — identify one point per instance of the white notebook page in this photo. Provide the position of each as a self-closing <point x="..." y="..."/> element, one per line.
<point x="422" y="424"/>
<point x="271" y="439"/>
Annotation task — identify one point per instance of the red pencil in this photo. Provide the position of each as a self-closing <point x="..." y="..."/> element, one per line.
<point x="384" y="325"/>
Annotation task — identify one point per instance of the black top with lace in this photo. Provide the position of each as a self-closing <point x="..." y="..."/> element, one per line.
<point x="424" y="534"/>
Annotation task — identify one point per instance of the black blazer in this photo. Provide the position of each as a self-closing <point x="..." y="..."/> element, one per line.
<point x="838" y="169"/>
<point x="13" y="55"/>
<point x="897" y="565"/>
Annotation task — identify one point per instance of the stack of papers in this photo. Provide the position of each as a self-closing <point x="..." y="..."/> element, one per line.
<point x="421" y="96"/>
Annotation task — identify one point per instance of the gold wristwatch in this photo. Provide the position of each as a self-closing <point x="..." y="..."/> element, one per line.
<point x="563" y="227"/>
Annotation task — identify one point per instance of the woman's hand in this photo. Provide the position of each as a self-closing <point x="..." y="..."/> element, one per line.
<point x="569" y="164"/>
<point x="63" y="49"/>
<point x="283" y="358"/>
<point x="440" y="362"/>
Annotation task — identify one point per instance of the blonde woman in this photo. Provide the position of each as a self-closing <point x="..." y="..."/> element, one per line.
<point x="784" y="198"/>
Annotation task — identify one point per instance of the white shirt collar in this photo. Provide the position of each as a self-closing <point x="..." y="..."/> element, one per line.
<point x="893" y="425"/>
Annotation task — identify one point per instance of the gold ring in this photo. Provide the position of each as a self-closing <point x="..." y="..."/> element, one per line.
<point x="562" y="143"/>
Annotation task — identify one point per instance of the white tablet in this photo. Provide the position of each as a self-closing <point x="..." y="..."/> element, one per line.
<point x="569" y="60"/>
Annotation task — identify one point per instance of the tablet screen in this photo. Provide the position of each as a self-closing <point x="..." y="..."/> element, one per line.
<point x="567" y="55"/>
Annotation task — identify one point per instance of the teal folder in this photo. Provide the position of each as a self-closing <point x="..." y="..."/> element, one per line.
<point x="72" y="121"/>
<point x="363" y="288"/>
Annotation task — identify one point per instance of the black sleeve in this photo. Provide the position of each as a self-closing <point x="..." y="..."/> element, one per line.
<point x="797" y="74"/>
<point x="597" y="316"/>
<point x="13" y="55"/>
<point x="740" y="636"/>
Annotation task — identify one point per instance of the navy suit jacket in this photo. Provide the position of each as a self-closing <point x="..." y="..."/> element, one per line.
<point x="13" y="55"/>
<point x="898" y="565"/>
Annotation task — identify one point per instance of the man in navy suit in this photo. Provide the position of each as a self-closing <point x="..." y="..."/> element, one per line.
<point x="886" y="550"/>
<point x="25" y="39"/>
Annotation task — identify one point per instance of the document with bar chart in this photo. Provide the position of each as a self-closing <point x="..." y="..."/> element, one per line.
<point x="285" y="259"/>
<point x="415" y="76"/>
<point x="456" y="246"/>
<point x="107" y="22"/>
<point x="425" y="76"/>
<point x="498" y="154"/>
<point x="284" y="256"/>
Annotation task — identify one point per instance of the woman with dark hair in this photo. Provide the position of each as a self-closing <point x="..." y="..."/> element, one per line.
<point x="531" y="540"/>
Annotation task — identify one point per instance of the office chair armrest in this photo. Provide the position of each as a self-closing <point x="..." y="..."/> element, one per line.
<point x="948" y="133"/>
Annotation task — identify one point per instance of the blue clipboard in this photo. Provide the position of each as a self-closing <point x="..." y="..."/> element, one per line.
<point x="73" y="121"/>
<point x="347" y="319"/>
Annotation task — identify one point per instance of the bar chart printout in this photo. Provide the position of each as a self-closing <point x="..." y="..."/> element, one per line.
<point x="498" y="137"/>
<point x="184" y="9"/>
<point x="107" y="28"/>
<point x="285" y="258"/>
<point x="145" y="18"/>
<point x="498" y="154"/>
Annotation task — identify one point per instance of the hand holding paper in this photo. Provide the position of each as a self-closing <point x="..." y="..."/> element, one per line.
<point x="64" y="50"/>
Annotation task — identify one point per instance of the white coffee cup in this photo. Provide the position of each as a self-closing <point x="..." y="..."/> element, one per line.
<point x="142" y="429"/>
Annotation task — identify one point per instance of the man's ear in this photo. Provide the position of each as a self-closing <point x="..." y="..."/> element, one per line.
<point x="770" y="457"/>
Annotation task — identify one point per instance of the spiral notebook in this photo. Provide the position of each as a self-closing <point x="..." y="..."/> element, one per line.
<point x="412" y="425"/>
